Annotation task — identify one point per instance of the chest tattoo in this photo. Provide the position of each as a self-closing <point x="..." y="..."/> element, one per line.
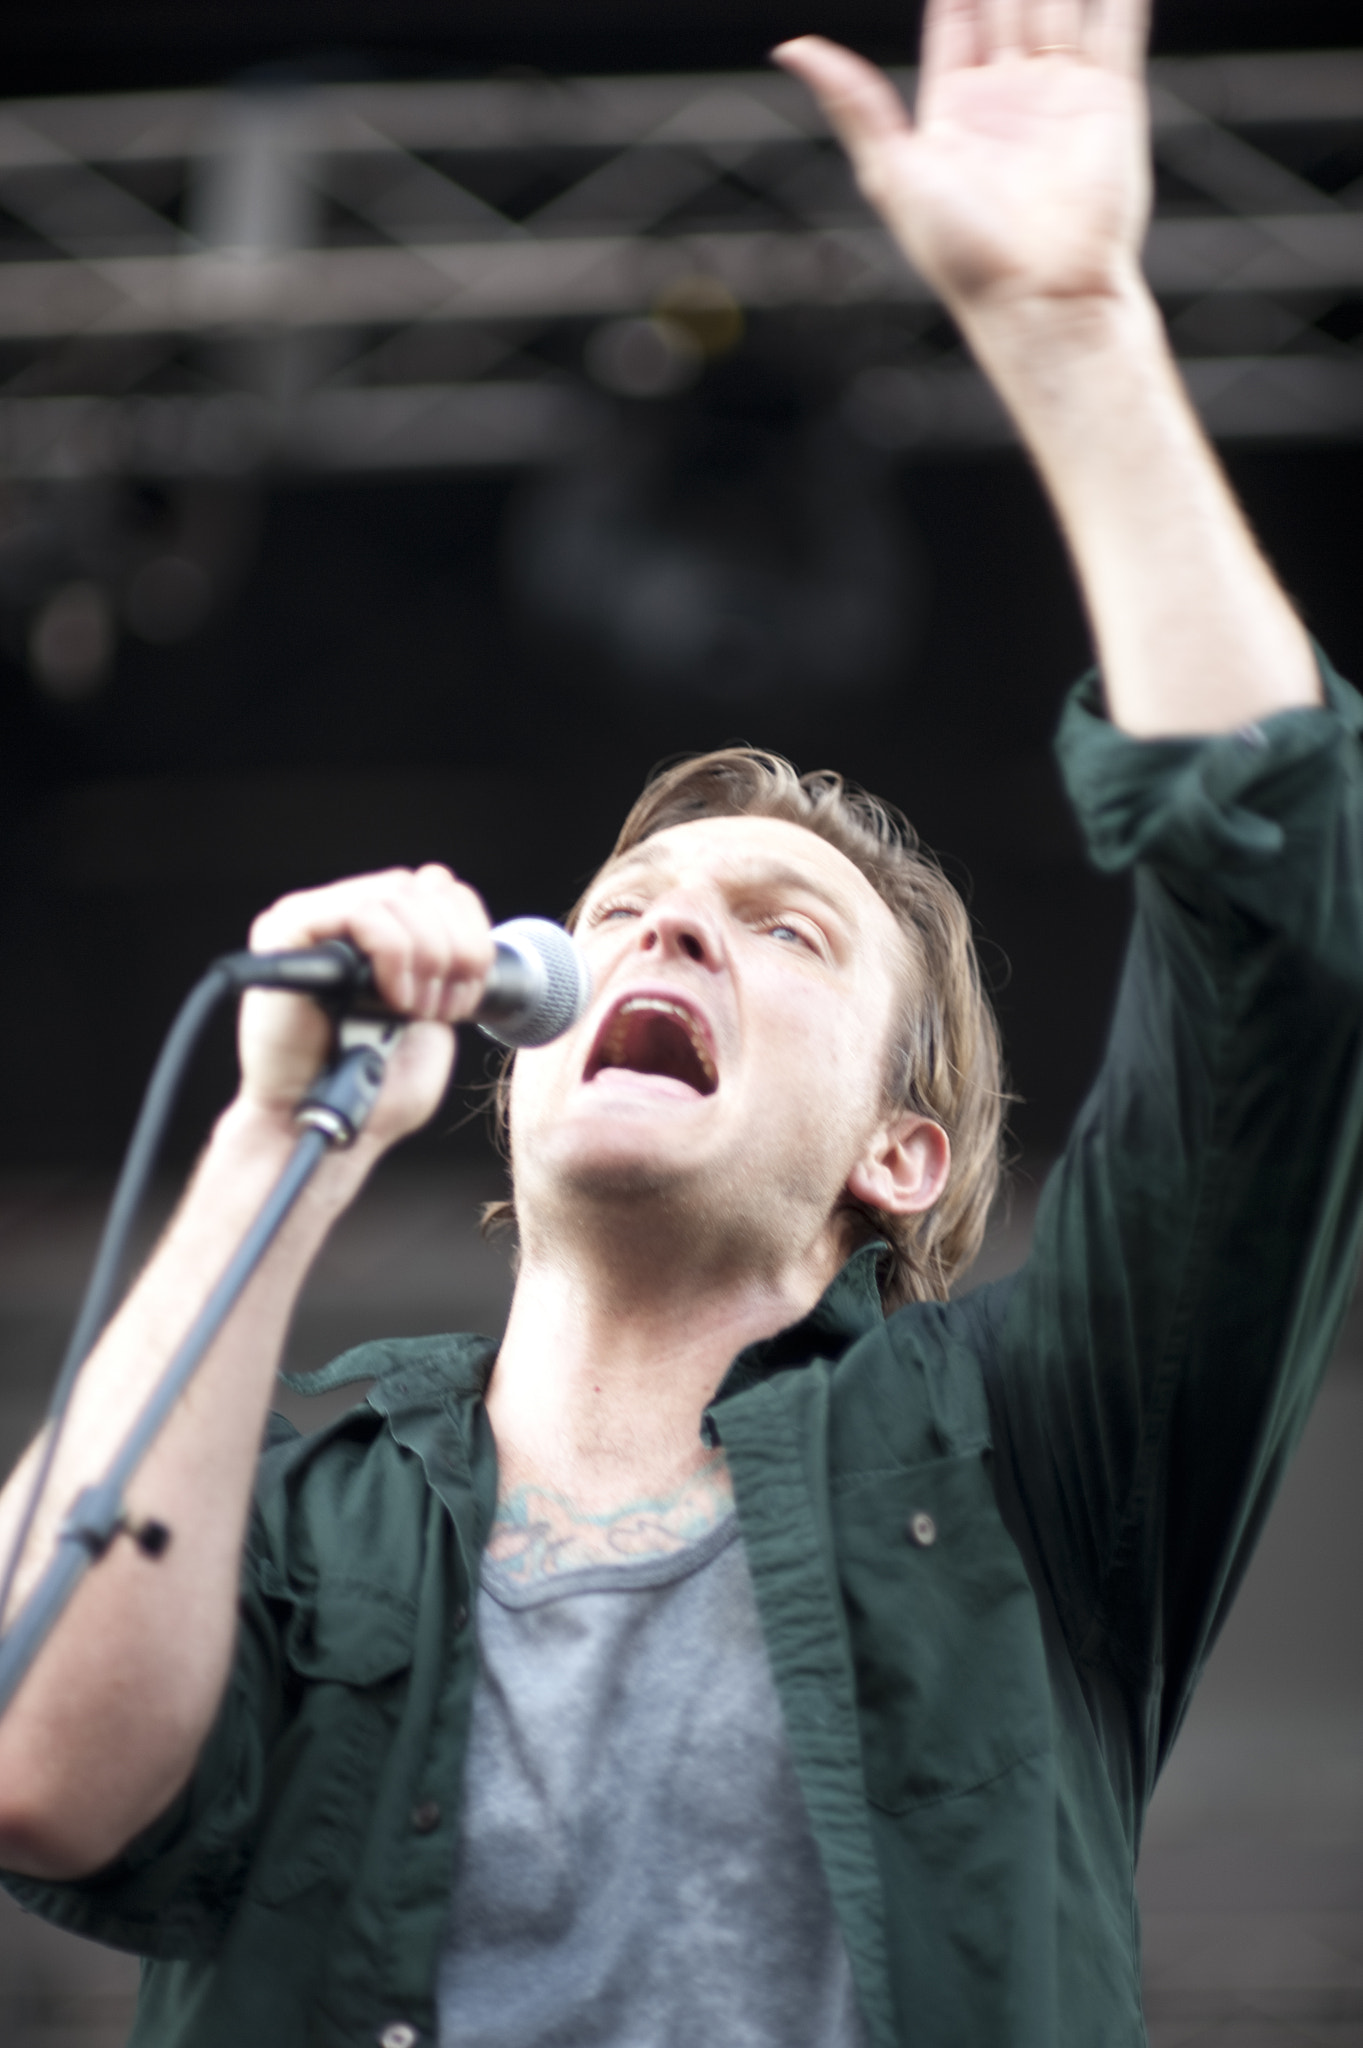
<point x="539" y="1534"/>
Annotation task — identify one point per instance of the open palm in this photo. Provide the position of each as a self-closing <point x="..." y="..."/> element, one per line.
<point x="1026" y="171"/>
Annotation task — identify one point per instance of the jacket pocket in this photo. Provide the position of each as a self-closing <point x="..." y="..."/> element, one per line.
<point x="351" y="1632"/>
<point x="347" y="1645"/>
<point x="945" y="1637"/>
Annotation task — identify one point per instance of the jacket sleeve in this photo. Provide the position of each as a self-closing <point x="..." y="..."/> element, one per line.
<point x="1152" y="1366"/>
<point x="174" y="1888"/>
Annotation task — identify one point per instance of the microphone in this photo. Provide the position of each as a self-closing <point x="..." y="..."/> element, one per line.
<point x="539" y="983"/>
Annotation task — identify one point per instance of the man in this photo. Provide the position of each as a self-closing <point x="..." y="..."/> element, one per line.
<point x="875" y="1770"/>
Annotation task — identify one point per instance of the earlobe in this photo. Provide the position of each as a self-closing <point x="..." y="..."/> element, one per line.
<point x="907" y="1171"/>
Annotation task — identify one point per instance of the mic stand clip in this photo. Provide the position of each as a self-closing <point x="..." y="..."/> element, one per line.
<point x="340" y="1099"/>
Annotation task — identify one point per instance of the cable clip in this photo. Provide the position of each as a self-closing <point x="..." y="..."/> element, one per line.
<point x="340" y="1099"/>
<point x="97" y="1516"/>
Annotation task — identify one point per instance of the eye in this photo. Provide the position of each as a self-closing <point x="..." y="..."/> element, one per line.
<point x="790" y="933"/>
<point x="606" y="913"/>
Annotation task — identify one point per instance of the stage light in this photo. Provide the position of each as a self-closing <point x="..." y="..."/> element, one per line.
<point x="643" y="358"/>
<point x="705" y="310"/>
<point x="71" y="642"/>
<point x="82" y="560"/>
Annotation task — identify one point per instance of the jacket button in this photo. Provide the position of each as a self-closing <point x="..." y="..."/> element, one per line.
<point x="426" y="1816"/>
<point x="460" y="1617"/>
<point x="921" y="1529"/>
<point x="397" y="2034"/>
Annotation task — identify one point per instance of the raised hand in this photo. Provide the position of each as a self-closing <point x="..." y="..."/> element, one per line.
<point x="1025" y="173"/>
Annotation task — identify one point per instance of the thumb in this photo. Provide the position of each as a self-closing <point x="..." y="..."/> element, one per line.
<point x="860" y="104"/>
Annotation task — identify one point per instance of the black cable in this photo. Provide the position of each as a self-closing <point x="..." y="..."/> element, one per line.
<point x="96" y="1514"/>
<point x="333" y="1112"/>
<point x="110" y="1259"/>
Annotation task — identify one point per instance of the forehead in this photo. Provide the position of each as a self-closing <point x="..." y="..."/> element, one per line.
<point x="756" y="851"/>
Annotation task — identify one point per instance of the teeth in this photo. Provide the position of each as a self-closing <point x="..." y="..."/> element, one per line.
<point x="616" y="1043"/>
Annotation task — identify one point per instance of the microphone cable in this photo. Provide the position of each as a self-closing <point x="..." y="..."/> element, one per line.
<point x="101" y="1289"/>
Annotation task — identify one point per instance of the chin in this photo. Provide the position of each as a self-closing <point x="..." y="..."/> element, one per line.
<point x="623" y="1171"/>
<point x="618" y="1165"/>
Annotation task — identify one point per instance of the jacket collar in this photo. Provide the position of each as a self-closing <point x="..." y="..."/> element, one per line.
<point x="848" y="1308"/>
<point x="421" y="1372"/>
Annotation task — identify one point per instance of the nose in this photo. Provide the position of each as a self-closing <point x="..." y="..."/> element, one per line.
<point x="678" y="926"/>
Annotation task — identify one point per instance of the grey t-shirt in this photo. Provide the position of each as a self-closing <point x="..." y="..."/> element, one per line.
<point x="636" y="1868"/>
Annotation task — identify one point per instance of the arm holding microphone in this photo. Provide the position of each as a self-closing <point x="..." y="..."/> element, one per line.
<point x="107" y="1725"/>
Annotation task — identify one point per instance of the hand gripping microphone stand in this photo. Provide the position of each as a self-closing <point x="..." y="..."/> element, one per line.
<point x="539" y="985"/>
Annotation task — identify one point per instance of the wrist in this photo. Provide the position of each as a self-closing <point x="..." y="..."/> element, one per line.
<point x="1022" y="336"/>
<point x="255" y="1139"/>
<point x="1016" y="326"/>
<point x="249" y="1129"/>
<point x="1091" y="385"/>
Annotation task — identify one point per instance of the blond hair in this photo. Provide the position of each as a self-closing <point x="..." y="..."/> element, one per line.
<point x="945" y="1060"/>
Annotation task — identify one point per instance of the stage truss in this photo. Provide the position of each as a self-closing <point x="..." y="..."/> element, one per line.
<point x="343" y="279"/>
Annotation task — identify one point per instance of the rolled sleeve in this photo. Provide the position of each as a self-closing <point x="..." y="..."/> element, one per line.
<point x="1195" y="1244"/>
<point x="1247" y="808"/>
<point x="172" y="1891"/>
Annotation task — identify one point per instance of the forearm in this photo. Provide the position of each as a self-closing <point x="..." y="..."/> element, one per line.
<point x="108" y="1723"/>
<point x="1021" y="192"/>
<point x="1194" y="633"/>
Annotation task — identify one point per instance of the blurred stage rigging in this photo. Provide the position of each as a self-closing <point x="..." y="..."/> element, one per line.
<point x="351" y="278"/>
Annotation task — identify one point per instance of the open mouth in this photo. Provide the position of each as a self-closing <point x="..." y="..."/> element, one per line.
<point x="650" y="1035"/>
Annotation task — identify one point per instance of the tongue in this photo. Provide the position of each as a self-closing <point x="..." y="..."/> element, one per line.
<point x="655" y="1043"/>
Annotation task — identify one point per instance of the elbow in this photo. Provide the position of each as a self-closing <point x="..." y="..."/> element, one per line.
<point x="38" y="1841"/>
<point x="62" y="1827"/>
<point x="87" y="1761"/>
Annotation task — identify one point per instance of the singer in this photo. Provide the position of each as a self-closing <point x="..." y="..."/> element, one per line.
<point x="764" y="1644"/>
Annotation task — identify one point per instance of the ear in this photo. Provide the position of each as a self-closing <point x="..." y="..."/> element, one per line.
<point x="904" y="1168"/>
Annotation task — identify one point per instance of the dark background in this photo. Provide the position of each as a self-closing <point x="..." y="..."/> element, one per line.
<point x="367" y="699"/>
<point x="89" y="46"/>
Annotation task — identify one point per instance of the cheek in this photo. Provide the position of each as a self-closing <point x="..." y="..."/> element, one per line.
<point x="826" y="1058"/>
<point x="532" y="1083"/>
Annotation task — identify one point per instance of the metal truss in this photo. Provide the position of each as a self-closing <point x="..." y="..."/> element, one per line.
<point x="389" y="277"/>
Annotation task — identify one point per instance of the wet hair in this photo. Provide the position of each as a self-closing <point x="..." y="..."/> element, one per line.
<point x="944" y="1059"/>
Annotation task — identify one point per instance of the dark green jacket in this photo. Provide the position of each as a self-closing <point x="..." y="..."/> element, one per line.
<point x="977" y="1719"/>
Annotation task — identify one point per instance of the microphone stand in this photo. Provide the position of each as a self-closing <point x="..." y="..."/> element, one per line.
<point x="332" y="1115"/>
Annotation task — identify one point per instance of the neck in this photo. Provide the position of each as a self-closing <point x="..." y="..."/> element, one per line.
<point x="605" y="1371"/>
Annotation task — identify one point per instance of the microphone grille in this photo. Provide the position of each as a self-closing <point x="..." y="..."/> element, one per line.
<point x="563" y="982"/>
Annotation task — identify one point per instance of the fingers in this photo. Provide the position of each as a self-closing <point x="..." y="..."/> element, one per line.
<point x="1055" y="26"/>
<point x="862" y="107"/>
<point x="454" y="923"/>
<point x="960" y="33"/>
<point x="1003" y="28"/>
<point x="1117" y="33"/>
<point x="426" y="934"/>
<point x="953" y="39"/>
